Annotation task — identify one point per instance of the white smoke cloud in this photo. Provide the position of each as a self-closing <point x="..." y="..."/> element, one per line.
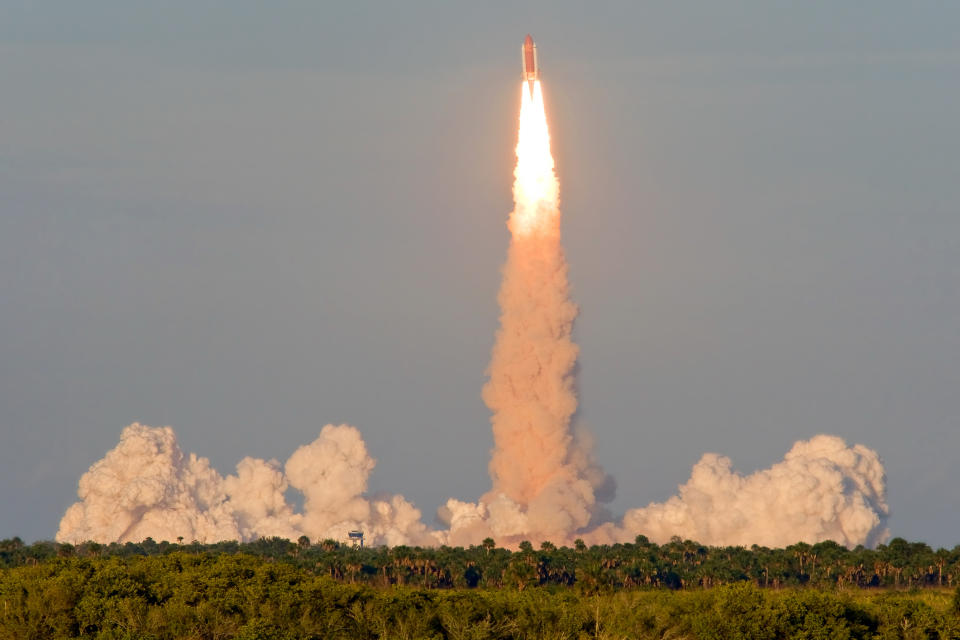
<point x="147" y="487"/>
<point x="822" y="490"/>
<point x="257" y="500"/>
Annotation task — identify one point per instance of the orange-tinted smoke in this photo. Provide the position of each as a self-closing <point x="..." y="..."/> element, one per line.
<point x="536" y="460"/>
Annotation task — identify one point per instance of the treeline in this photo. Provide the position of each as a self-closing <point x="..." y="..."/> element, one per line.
<point x="213" y="595"/>
<point x="679" y="564"/>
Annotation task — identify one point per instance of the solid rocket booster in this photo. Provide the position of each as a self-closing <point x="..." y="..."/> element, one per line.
<point x="531" y="68"/>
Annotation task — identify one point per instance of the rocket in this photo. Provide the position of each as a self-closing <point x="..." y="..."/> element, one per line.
<point x="528" y="54"/>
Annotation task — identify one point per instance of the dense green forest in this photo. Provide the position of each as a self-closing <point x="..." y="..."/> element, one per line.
<point x="679" y="564"/>
<point x="280" y="589"/>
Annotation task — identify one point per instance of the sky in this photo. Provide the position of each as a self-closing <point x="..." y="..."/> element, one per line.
<point x="248" y="220"/>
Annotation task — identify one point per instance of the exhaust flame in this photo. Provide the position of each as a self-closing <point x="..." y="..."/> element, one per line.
<point x="536" y="191"/>
<point x="545" y="482"/>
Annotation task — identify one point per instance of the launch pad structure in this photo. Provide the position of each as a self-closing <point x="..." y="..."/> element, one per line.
<point x="355" y="538"/>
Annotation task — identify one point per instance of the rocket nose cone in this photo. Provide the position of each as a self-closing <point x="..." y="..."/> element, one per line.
<point x="528" y="41"/>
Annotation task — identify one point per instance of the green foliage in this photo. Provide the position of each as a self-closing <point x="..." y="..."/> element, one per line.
<point x="273" y="588"/>
<point x="181" y="594"/>
<point x="679" y="564"/>
<point x="735" y="612"/>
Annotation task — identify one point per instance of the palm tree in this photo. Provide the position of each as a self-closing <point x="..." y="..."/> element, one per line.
<point x="801" y="551"/>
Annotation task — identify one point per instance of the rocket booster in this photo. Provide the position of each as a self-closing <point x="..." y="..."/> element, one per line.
<point x="531" y="68"/>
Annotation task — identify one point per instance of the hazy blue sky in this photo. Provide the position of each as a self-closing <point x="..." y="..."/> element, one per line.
<point x="247" y="220"/>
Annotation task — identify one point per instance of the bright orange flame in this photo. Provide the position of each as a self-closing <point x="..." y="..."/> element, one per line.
<point x="536" y="191"/>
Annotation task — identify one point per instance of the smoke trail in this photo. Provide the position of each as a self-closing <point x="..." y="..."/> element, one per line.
<point x="545" y="482"/>
<point x="147" y="487"/>
<point x="544" y="479"/>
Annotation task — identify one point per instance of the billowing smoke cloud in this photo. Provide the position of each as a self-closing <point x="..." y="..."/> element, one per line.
<point x="147" y="487"/>
<point x="822" y="490"/>
<point x="546" y="484"/>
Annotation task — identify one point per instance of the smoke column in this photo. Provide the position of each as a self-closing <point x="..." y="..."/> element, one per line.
<point x="544" y="480"/>
<point x="531" y="387"/>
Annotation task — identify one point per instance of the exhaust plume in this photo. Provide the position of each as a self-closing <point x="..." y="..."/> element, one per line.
<point x="545" y="481"/>
<point x="546" y="484"/>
